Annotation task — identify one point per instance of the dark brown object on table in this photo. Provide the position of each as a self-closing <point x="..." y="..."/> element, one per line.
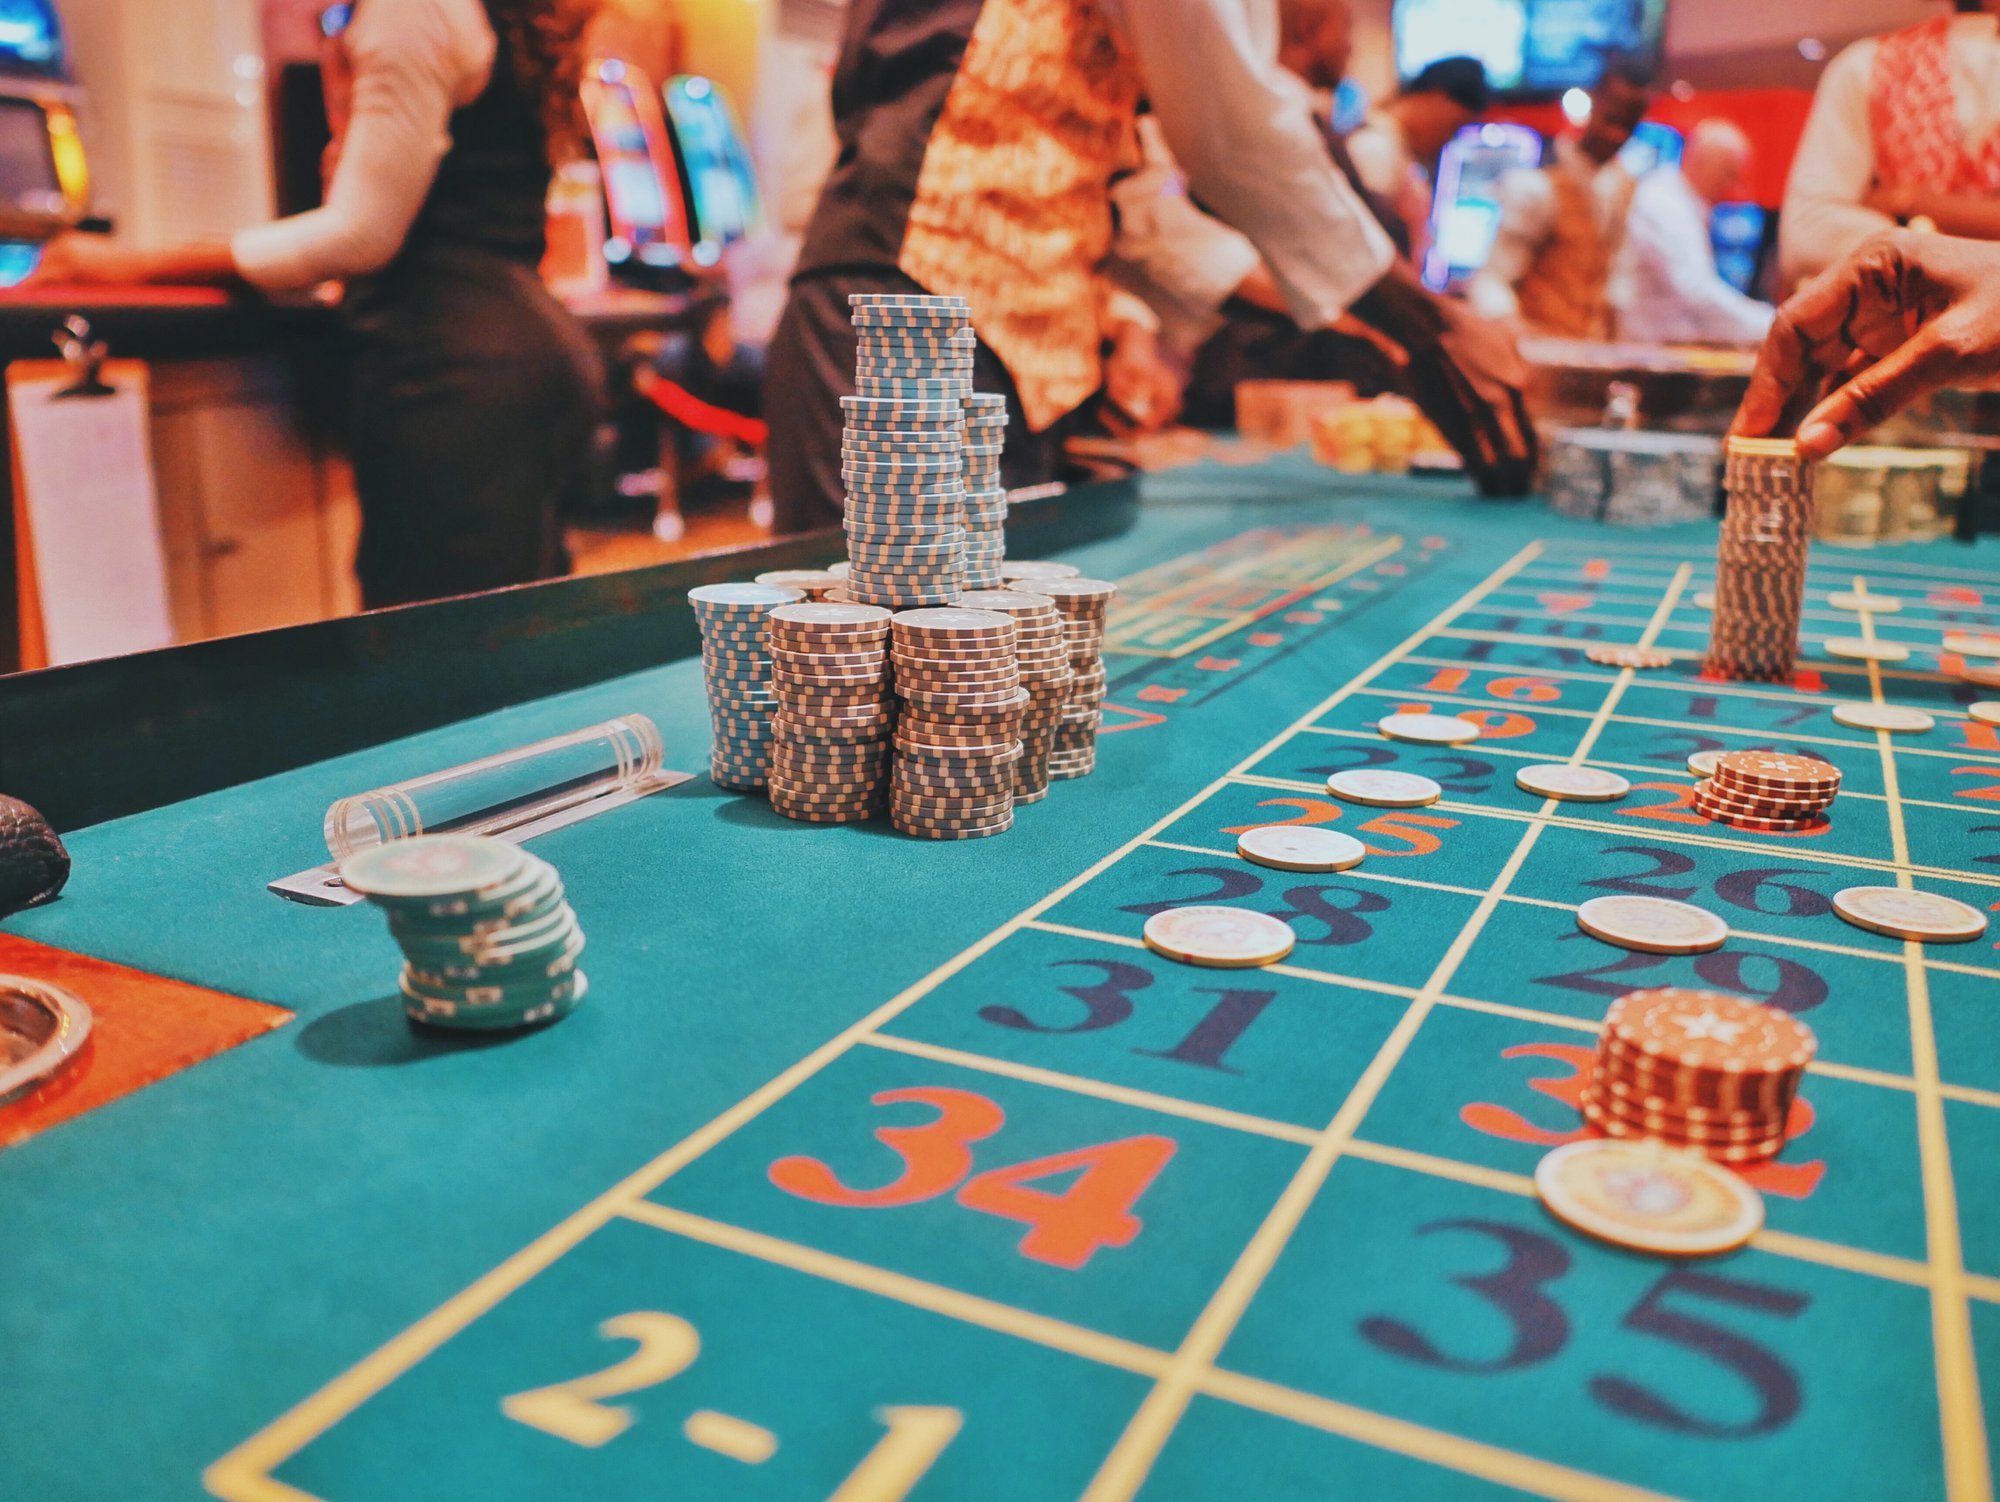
<point x="33" y="864"/>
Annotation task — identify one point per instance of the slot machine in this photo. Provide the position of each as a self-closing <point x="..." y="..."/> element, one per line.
<point x="44" y="179"/>
<point x="650" y="240"/>
<point x="1465" y="212"/>
<point x="719" y="183"/>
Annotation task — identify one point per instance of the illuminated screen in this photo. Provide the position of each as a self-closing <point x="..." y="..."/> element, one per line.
<point x="30" y="38"/>
<point x="722" y="187"/>
<point x="1528" y="46"/>
<point x="27" y="167"/>
<point x="1494" y="31"/>
<point x="1465" y="211"/>
<point x="1737" y="231"/>
<point x="631" y="177"/>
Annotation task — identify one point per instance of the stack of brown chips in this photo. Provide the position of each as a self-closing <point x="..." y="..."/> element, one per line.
<point x="1042" y="651"/>
<point x="959" y="734"/>
<point x="1760" y="568"/>
<point x="830" y="672"/>
<point x="1083" y="603"/>
<point x="1768" y="791"/>
<point x="1698" y="1069"/>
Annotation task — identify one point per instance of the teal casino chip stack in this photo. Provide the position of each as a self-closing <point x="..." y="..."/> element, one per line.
<point x="736" y="666"/>
<point x="903" y="450"/>
<point x="488" y="940"/>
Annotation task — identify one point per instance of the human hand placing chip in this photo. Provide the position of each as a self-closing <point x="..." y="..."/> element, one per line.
<point x="1904" y="315"/>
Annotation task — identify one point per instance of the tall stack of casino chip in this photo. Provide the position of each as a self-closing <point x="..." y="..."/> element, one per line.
<point x="1760" y="567"/>
<point x="985" y="493"/>
<point x="830" y="748"/>
<point x="959" y="734"/>
<point x="737" y="669"/>
<point x="1698" y="1069"/>
<point x="902" y="452"/>
<point x="1042" y="651"/>
<point x="488" y="940"/>
<point x="1083" y="603"/>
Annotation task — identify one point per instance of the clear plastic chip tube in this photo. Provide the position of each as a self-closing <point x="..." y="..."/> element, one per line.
<point x="502" y="792"/>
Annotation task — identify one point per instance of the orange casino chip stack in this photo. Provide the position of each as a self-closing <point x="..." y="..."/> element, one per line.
<point x="1698" y="1069"/>
<point x="1768" y="791"/>
<point x="1760" y="563"/>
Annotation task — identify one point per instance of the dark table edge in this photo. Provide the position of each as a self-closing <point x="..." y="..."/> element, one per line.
<point x="104" y="739"/>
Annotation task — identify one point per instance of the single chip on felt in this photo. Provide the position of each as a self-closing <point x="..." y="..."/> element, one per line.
<point x="34" y="866"/>
<point x="1654" y="925"/>
<point x="1972" y="643"/>
<point x="1429" y="729"/>
<point x="1986" y="711"/>
<point x="1891" y="717"/>
<point x="1227" y="938"/>
<point x="1572" y="784"/>
<point x="1648" y="1197"/>
<point x="1904" y="913"/>
<point x="1865" y="649"/>
<point x="1292" y="847"/>
<point x="1612" y="656"/>
<point x="1377" y="787"/>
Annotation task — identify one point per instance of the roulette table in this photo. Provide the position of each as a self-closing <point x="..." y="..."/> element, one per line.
<point x="877" y="1168"/>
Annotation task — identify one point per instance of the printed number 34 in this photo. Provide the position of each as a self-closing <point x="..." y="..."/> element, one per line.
<point x="1064" y="1229"/>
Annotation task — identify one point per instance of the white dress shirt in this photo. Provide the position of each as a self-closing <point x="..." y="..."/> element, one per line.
<point x="1834" y="169"/>
<point x="1241" y="129"/>
<point x="1528" y="217"/>
<point x="1380" y="150"/>
<point x="1667" y="289"/>
<point x="413" y="62"/>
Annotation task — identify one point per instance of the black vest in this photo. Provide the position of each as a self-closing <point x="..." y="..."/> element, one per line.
<point x="492" y="186"/>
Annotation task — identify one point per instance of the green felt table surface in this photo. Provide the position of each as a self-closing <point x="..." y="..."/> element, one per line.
<point x="341" y="1253"/>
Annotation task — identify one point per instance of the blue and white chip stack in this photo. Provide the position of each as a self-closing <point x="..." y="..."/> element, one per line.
<point x="736" y="664"/>
<point x="902" y="456"/>
<point x="985" y="496"/>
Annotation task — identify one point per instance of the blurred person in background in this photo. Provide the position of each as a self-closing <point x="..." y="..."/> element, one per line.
<point x="1668" y="288"/>
<point x="979" y="140"/>
<point x="1562" y="224"/>
<point x="1396" y="149"/>
<point x="473" y="395"/>
<point x="1904" y="127"/>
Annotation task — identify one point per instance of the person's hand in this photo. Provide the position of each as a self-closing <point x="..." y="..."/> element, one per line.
<point x="1465" y="373"/>
<point x="1901" y="317"/>
<point x="1143" y="393"/>
<point x="77" y="260"/>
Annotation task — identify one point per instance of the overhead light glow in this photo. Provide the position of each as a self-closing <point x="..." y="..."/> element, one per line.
<point x="1576" y="106"/>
